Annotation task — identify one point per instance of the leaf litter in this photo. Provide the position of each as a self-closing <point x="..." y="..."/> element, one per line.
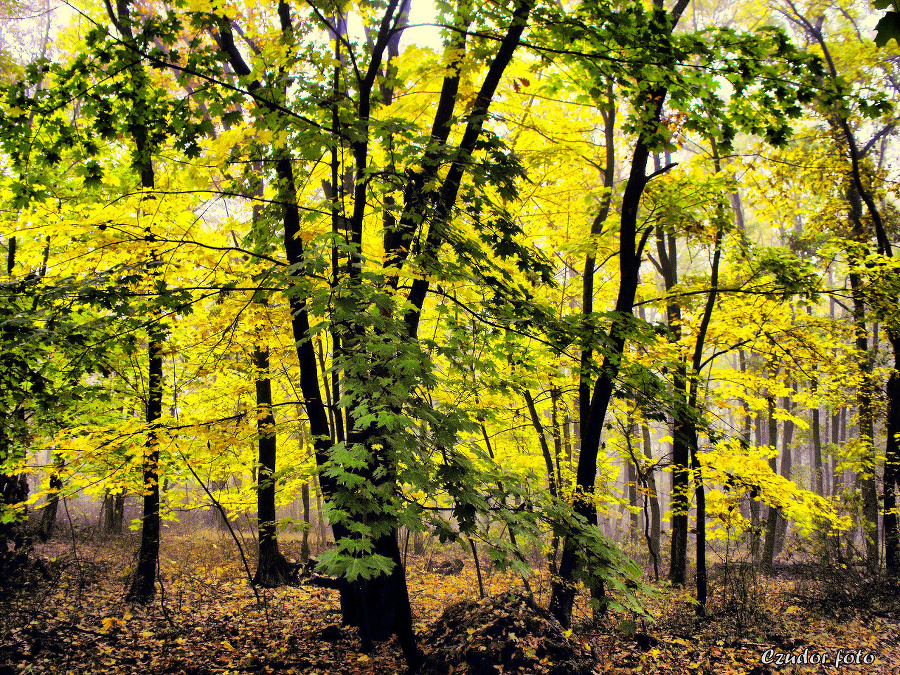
<point x="71" y="618"/>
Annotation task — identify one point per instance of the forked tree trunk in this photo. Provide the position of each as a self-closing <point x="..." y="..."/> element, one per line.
<point x="379" y="605"/>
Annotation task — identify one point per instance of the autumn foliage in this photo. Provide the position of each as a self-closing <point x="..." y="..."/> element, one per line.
<point x="316" y="317"/>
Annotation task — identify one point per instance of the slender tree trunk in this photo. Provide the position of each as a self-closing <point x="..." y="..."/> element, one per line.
<point x="653" y="496"/>
<point x="14" y="539"/>
<point x="143" y="583"/>
<point x="693" y="406"/>
<point x="563" y="593"/>
<point x="304" y="546"/>
<point x="768" y="554"/>
<point x="818" y="465"/>
<point x="542" y="440"/>
<point x="272" y="569"/>
<point x="864" y="393"/>
<point x="631" y="477"/>
<point x="48" y="514"/>
<point x="892" y="463"/>
<point x="786" y="467"/>
<point x="216" y="517"/>
<point x="113" y="511"/>
<point x="816" y="435"/>
<point x="563" y="588"/>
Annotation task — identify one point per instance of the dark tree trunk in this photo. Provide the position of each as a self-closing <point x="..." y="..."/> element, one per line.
<point x="272" y="569"/>
<point x="682" y="426"/>
<point x="379" y="605"/>
<point x="693" y="400"/>
<point x="631" y="480"/>
<point x="48" y="513"/>
<point x="14" y="541"/>
<point x="818" y="484"/>
<point x="786" y="467"/>
<point x="892" y="464"/>
<point x="563" y="594"/>
<point x="768" y="554"/>
<point x="653" y="497"/>
<point x="593" y="408"/>
<point x="682" y="433"/>
<point x="143" y="583"/>
<point x="866" y="419"/>
<point x="113" y="513"/>
<point x="304" y="546"/>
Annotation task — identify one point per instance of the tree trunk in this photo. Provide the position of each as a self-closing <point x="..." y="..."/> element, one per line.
<point x="768" y="554"/>
<point x="594" y="405"/>
<point x="892" y="463"/>
<point x="304" y="546"/>
<point x="143" y="583"/>
<point x="48" y="514"/>
<point x="653" y="496"/>
<point x="272" y="569"/>
<point x="631" y="479"/>
<point x="113" y="512"/>
<point x="865" y="480"/>
<point x="787" y="436"/>
<point x="217" y="517"/>
<point x="13" y="535"/>
<point x="818" y="484"/>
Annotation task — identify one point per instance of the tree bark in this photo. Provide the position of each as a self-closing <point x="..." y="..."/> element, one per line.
<point x="653" y="497"/>
<point x="272" y="568"/>
<point x="787" y="436"/>
<point x="865" y="479"/>
<point x="48" y="514"/>
<point x="768" y="554"/>
<point x="563" y="587"/>
<point x="304" y="545"/>
<point x="143" y="583"/>
<point x="892" y="464"/>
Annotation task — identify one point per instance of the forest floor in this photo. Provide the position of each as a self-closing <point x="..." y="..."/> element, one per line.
<point x="207" y="619"/>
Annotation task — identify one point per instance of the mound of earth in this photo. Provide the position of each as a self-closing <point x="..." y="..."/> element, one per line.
<point x="506" y="633"/>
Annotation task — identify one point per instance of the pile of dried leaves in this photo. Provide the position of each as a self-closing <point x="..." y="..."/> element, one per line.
<point x="507" y="633"/>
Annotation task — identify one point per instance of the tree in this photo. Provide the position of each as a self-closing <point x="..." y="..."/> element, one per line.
<point x="653" y="77"/>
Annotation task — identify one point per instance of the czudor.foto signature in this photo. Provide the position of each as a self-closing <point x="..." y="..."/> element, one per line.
<point x="841" y="658"/>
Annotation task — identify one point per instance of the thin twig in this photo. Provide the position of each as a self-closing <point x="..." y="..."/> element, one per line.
<point x="237" y="543"/>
